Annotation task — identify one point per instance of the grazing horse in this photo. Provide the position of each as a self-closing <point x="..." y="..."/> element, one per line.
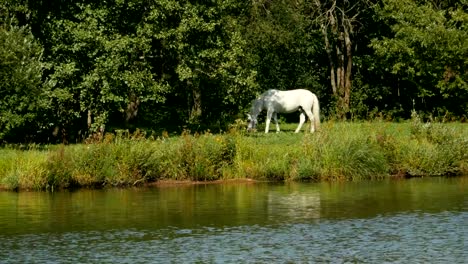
<point x="275" y="101"/>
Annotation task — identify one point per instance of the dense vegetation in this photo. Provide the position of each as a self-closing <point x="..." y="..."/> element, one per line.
<point x="341" y="151"/>
<point x="69" y="69"/>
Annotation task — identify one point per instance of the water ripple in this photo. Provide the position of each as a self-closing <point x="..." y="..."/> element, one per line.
<point x="402" y="238"/>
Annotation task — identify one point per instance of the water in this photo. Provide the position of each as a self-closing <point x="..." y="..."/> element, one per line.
<point x="398" y="221"/>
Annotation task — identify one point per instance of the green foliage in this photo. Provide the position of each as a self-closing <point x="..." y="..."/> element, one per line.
<point x="285" y="46"/>
<point x="100" y="66"/>
<point x="428" y="51"/>
<point x="113" y="63"/>
<point x="20" y="81"/>
<point x="202" y="52"/>
<point x="71" y="69"/>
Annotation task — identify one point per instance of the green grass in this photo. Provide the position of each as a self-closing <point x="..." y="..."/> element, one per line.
<point x="339" y="151"/>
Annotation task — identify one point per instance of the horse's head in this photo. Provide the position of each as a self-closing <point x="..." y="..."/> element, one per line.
<point x="257" y="106"/>
<point x="252" y="122"/>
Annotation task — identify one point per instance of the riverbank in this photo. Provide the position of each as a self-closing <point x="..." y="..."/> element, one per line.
<point x="340" y="151"/>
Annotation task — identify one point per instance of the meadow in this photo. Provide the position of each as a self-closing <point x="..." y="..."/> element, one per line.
<point x="340" y="151"/>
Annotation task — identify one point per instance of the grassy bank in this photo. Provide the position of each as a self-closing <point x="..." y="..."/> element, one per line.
<point x="340" y="151"/>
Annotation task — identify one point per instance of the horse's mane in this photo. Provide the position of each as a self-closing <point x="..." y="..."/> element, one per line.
<point x="257" y="102"/>
<point x="257" y="105"/>
<point x="269" y="92"/>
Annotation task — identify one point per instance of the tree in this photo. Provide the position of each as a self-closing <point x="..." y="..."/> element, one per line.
<point x="20" y="81"/>
<point x="284" y="48"/>
<point x="178" y="61"/>
<point x="100" y="70"/>
<point x="339" y="23"/>
<point x="201" y="53"/>
<point x="427" y="52"/>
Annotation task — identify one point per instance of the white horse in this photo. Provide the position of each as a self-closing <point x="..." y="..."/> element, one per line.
<point x="275" y="101"/>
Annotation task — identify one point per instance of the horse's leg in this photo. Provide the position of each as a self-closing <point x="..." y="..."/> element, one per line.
<point x="301" y="122"/>
<point x="275" y="117"/>
<point x="312" y="121"/>
<point x="268" y="119"/>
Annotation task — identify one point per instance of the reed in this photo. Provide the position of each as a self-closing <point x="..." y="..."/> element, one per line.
<point x="340" y="151"/>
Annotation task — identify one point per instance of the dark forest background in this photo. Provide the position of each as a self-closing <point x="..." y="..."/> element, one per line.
<point x="69" y="69"/>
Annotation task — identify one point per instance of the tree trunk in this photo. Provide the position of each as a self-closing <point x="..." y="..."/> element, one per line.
<point x="336" y="27"/>
<point x="90" y="119"/>
<point x="328" y="49"/>
<point x="349" y="58"/>
<point x="132" y="108"/>
<point x="196" y="102"/>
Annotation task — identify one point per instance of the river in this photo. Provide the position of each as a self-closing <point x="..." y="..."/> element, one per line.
<point x="394" y="221"/>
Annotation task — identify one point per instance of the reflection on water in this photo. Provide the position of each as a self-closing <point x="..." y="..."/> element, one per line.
<point x="420" y="220"/>
<point x="293" y="203"/>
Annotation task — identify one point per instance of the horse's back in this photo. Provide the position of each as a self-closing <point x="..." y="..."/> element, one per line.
<point x="301" y="96"/>
<point x="288" y="93"/>
<point x="300" y="92"/>
<point x="289" y="101"/>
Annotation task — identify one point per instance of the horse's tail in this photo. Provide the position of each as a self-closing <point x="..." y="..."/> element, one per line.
<point x="316" y="112"/>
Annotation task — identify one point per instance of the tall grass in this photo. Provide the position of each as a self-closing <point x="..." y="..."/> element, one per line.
<point x="433" y="149"/>
<point x="340" y="151"/>
<point x="23" y="168"/>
